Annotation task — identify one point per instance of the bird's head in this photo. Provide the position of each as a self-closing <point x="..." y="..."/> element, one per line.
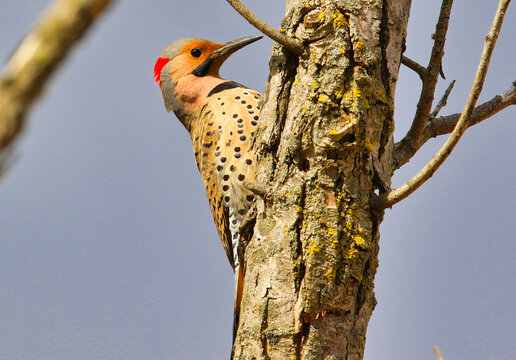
<point x="188" y="69"/>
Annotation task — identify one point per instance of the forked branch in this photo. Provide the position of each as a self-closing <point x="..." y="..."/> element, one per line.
<point x="445" y="124"/>
<point x="290" y="43"/>
<point x="395" y="196"/>
<point x="416" y="67"/>
<point x="429" y="76"/>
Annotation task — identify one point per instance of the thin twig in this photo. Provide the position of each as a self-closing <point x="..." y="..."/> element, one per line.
<point x="426" y="98"/>
<point x="437" y="353"/>
<point x="395" y="196"/>
<point x="290" y="43"/>
<point x="443" y="101"/>
<point x="37" y="57"/>
<point x="445" y="124"/>
<point x="411" y="64"/>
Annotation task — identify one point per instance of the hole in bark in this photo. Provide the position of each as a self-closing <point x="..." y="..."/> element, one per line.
<point x="349" y="138"/>
<point x="304" y="165"/>
<point x="305" y="331"/>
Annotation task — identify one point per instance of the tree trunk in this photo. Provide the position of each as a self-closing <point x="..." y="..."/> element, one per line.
<point x="325" y="148"/>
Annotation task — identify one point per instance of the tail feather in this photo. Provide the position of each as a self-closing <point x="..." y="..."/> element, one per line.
<point x="239" y="289"/>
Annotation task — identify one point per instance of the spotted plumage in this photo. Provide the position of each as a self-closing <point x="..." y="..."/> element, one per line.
<point x="221" y="117"/>
<point x="225" y="159"/>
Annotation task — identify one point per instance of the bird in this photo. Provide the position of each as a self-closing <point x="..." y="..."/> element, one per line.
<point x="221" y="117"/>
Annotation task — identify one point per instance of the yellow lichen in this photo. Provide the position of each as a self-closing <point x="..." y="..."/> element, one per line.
<point x="333" y="233"/>
<point x="321" y="16"/>
<point x="313" y="248"/>
<point x="295" y="82"/>
<point x="295" y="264"/>
<point x="360" y="45"/>
<point x="339" y="21"/>
<point x="355" y="91"/>
<point x="359" y="240"/>
<point x="380" y="94"/>
<point x="331" y="274"/>
<point x="334" y="242"/>
<point x="352" y="253"/>
<point x="322" y="98"/>
<point x="315" y="85"/>
<point x="367" y="145"/>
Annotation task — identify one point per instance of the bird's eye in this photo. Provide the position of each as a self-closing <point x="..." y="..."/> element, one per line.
<point x="196" y="52"/>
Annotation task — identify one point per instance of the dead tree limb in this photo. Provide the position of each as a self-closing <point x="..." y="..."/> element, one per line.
<point x="429" y="76"/>
<point x="445" y="124"/>
<point x="37" y="57"/>
<point x="290" y="43"/>
<point x="389" y="199"/>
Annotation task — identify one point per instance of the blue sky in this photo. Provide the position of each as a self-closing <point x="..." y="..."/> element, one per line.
<point x="107" y="246"/>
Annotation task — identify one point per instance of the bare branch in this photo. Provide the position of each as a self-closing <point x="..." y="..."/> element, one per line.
<point x="411" y="64"/>
<point x="395" y="196"/>
<point x="437" y="353"/>
<point x="32" y="64"/>
<point x="443" y="101"/>
<point x="433" y="70"/>
<point x="445" y="124"/>
<point x="290" y="43"/>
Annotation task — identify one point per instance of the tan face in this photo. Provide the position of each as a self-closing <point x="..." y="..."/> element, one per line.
<point x="191" y="56"/>
<point x="188" y="70"/>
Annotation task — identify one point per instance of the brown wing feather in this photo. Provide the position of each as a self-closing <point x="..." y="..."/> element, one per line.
<point x="207" y="169"/>
<point x="225" y="129"/>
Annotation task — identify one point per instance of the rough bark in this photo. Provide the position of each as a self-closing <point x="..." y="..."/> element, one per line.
<point x="326" y="147"/>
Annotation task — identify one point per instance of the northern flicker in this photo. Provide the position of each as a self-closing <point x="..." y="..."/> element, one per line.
<point x="221" y="117"/>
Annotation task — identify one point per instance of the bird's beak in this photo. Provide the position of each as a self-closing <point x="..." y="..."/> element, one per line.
<point x="230" y="47"/>
<point x="215" y="60"/>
